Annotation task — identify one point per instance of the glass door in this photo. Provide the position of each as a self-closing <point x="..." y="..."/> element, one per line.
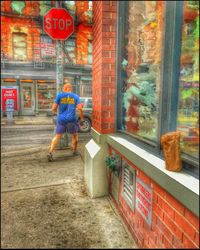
<point x="27" y="99"/>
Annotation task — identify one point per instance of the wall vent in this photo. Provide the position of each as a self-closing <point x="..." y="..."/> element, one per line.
<point x="128" y="182"/>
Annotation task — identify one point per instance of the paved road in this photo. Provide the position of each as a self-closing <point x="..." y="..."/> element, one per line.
<point x="18" y="136"/>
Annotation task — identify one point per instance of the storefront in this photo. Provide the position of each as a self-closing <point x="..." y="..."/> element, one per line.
<point x="37" y="89"/>
<point x="149" y="89"/>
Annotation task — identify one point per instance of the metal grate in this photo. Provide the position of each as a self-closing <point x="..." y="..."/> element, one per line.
<point x="129" y="185"/>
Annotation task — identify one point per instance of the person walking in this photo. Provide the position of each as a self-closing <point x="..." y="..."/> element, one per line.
<point x="68" y="102"/>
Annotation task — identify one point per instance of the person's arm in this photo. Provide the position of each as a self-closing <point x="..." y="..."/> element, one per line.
<point x="55" y="104"/>
<point x="54" y="108"/>
<point x="80" y="110"/>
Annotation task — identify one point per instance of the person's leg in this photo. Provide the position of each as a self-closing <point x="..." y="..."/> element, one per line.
<point x="60" y="129"/>
<point x="54" y="142"/>
<point x="74" y="142"/>
<point x="72" y="128"/>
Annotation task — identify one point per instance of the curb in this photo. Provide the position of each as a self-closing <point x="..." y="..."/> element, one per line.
<point x="21" y="152"/>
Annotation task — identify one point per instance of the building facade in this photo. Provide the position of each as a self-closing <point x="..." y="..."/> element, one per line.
<point x="146" y="84"/>
<point x="28" y="54"/>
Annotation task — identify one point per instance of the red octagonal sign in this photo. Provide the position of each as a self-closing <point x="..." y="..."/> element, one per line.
<point x="58" y="24"/>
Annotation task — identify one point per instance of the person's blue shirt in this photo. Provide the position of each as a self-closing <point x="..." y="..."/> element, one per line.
<point x="67" y="102"/>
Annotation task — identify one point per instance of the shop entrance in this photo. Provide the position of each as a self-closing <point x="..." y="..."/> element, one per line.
<point x="27" y="99"/>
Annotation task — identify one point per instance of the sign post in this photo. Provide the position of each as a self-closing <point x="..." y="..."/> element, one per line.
<point x="59" y="25"/>
<point x="9" y="101"/>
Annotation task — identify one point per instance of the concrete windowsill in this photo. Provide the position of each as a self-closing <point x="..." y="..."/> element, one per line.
<point x="184" y="187"/>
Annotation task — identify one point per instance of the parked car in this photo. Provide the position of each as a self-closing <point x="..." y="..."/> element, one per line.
<point x="87" y="110"/>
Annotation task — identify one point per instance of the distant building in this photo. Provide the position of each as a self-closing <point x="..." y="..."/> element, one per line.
<point x="28" y="54"/>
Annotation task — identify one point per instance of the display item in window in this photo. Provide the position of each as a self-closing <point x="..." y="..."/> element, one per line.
<point x="171" y="150"/>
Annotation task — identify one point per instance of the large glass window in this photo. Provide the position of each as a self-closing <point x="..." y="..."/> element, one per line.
<point x="142" y="67"/>
<point x="188" y="108"/>
<point x="85" y="86"/>
<point x="158" y="77"/>
<point x="46" y="95"/>
<point x="27" y="96"/>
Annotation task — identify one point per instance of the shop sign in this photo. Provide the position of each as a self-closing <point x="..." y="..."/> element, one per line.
<point x="144" y="200"/>
<point x="48" y="49"/>
<point x="58" y="24"/>
<point x="9" y="98"/>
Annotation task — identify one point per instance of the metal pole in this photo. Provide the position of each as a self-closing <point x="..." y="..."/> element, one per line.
<point x="59" y="82"/>
<point x="59" y="66"/>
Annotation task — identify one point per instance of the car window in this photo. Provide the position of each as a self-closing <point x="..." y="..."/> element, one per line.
<point x="89" y="103"/>
<point x="82" y="101"/>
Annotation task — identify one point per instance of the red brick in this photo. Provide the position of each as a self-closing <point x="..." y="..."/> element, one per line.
<point x="151" y="244"/>
<point x="108" y="60"/>
<point x="145" y="178"/>
<point x="175" y="204"/>
<point x="153" y="236"/>
<point x="154" y="219"/>
<point x="157" y="210"/>
<point x="167" y="243"/>
<point x="145" y="244"/>
<point x="159" y="190"/>
<point x="164" y="230"/>
<point x="177" y="243"/>
<point x="159" y="235"/>
<point x="109" y="72"/>
<point x="193" y="219"/>
<point x="167" y="208"/>
<point x="106" y="28"/>
<point x="185" y="225"/>
<point x="196" y="239"/>
<point x="109" y="47"/>
<point x="155" y="197"/>
<point x="173" y="227"/>
<point x="188" y="243"/>
<point x="108" y="21"/>
<point x="106" y="54"/>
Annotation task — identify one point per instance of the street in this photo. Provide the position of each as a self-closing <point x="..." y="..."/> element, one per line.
<point x="46" y="205"/>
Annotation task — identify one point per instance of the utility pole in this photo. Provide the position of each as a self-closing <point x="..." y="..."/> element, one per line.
<point x="59" y="81"/>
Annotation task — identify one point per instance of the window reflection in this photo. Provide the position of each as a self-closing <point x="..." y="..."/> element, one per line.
<point x="142" y="68"/>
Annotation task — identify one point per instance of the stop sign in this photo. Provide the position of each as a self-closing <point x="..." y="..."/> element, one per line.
<point x="58" y="24"/>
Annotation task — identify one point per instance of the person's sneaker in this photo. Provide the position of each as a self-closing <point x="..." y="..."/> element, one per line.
<point x="50" y="156"/>
<point x="75" y="153"/>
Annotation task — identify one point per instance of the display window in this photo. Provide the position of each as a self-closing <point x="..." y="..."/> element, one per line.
<point x="142" y="66"/>
<point x="188" y="105"/>
<point x="46" y="94"/>
<point x="85" y="86"/>
<point x="27" y="97"/>
<point x="158" y="74"/>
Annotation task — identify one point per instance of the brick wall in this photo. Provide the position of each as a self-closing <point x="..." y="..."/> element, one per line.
<point x="173" y="225"/>
<point x="27" y="26"/>
<point x="103" y="72"/>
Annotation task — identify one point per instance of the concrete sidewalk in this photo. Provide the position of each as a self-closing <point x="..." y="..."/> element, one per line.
<point x="29" y="120"/>
<point x="46" y="205"/>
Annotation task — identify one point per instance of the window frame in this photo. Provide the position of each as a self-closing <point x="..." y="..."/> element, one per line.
<point x="22" y="34"/>
<point x="169" y="76"/>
